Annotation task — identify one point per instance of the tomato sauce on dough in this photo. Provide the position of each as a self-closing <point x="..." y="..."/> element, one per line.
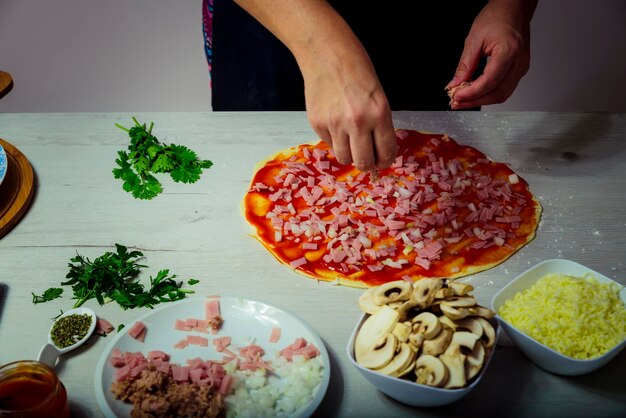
<point x="441" y="210"/>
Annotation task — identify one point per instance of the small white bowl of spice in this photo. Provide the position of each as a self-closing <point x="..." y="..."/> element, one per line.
<point x="568" y="319"/>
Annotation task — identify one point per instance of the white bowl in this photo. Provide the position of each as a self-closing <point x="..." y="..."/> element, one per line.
<point x="409" y="392"/>
<point x="543" y="356"/>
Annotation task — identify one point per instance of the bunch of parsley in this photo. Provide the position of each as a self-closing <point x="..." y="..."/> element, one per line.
<point x="112" y="277"/>
<point x="147" y="156"/>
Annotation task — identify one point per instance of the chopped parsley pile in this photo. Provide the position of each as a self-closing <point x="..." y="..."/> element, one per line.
<point x="146" y="156"/>
<point x="113" y="277"/>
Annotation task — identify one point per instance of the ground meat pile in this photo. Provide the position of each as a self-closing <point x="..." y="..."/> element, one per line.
<point x="155" y="394"/>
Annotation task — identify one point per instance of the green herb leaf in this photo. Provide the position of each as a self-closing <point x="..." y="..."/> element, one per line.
<point x="48" y="295"/>
<point x="147" y="155"/>
<point x="191" y="282"/>
<point x="113" y="277"/>
<point x="120" y="327"/>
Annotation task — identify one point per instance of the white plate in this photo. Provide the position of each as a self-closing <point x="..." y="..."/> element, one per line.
<point x="3" y="164"/>
<point x="244" y="320"/>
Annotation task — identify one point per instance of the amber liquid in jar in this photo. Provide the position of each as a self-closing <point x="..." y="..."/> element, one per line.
<point x="29" y="389"/>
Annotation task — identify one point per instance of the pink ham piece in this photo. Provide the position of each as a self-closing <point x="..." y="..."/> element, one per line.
<point x="221" y="343"/>
<point x="138" y="331"/>
<point x="180" y="325"/>
<point x="103" y="327"/>
<point x="158" y="355"/>
<point x="180" y="373"/>
<point x="196" y="371"/>
<point x="299" y="262"/>
<point x="122" y="373"/>
<point x="197" y="340"/>
<point x="275" y="335"/>
<point x="226" y="384"/>
<point x="300" y="347"/>
<point x="212" y="310"/>
<point x="117" y="358"/>
<point x="181" y="344"/>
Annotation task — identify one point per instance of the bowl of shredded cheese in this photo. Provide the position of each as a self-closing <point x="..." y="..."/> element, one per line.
<point x="568" y="319"/>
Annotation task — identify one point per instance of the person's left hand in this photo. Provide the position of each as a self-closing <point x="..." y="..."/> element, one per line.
<point x="500" y="32"/>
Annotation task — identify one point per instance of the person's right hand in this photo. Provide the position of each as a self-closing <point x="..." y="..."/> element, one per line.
<point x="345" y="102"/>
<point x="348" y="109"/>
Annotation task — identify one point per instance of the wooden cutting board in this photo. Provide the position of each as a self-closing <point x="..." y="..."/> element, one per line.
<point x="16" y="191"/>
<point x="6" y="83"/>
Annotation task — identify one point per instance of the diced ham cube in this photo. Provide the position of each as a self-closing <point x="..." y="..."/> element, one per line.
<point x="122" y="373"/>
<point x="138" y="331"/>
<point x="275" y="335"/>
<point x="103" y="327"/>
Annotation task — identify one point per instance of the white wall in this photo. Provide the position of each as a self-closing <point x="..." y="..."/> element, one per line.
<point x="147" y="55"/>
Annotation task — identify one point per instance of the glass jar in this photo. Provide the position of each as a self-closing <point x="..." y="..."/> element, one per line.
<point x="29" y="389"/>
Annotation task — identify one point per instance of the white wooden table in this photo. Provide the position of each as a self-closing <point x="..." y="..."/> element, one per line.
<point x="197" y="231"/>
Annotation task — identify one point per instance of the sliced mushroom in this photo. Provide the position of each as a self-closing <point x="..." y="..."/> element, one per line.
<point x="443" y="293"/>
<point x="460" y="289"/>
<point x="439" y="344"/>
<point x="402" y="359"/>
<point x="462" y="339"/>
<point x="375" y="346"/>
<point x="466" y="301"/>
<point x="489" y="334"/>
<point x="402" y="331"/>
<point x="396" y="305"/>
<point x="424" y="291"/>
<point x="366" y="302"/>
<point x="470" y="324"/>
<point x="474" y="361"/>
<point x="455" y="362"/>
<point x="416" y="340"/>
<point x="409" y="367"/>
<point x="452" y="312"/>
<point x="429" y="370"/>
<point x="455" y="359"/>
<point x="408" y="310"/>
<point x="399" y="290"/>
<point x="427" y="324"/>
<point x="448" y="322"/>
<point x="482" y="312"/>
<point x="378" y="355"/>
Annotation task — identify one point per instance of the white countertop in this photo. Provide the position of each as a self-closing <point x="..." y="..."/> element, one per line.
<point x="197" y="231"/>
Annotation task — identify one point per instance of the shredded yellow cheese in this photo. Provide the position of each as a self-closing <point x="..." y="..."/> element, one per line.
<point x="579" y="317"/>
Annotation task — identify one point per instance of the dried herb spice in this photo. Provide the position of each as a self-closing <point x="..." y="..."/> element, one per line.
<point x="70" y="329"/>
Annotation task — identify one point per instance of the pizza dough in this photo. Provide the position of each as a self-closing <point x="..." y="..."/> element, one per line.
<point x="441" y="210"/>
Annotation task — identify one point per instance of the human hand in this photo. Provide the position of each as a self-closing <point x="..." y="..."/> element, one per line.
<point x="348" y="109"/>
<point x="345" y="102"/>
<point x="501" y="31"/>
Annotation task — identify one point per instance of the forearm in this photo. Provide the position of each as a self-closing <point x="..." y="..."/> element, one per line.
<point x="345" y="102"/>
<point x="312" y="30"/>
<point x="521" y="11"/>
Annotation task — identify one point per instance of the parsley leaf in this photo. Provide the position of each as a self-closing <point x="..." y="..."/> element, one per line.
<point x="191" y="282"/>
<point x="48" y="295"/>
<point x="146" y="155"/>
<point x="112" y="277"/>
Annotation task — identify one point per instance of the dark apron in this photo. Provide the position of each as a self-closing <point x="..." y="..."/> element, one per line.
<point x="415" y="47"/>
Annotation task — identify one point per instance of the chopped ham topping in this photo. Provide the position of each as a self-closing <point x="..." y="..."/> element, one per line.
<point x="221" y="343"/>
<point x="435" y="199"/>
<point x="275" y="335"/>
<point x="138" y="331"/>
<point x="103" y="327"/>
<point x="300" y="347"/>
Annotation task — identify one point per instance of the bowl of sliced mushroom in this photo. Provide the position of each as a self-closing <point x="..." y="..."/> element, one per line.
<point x="426" y="343"/>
